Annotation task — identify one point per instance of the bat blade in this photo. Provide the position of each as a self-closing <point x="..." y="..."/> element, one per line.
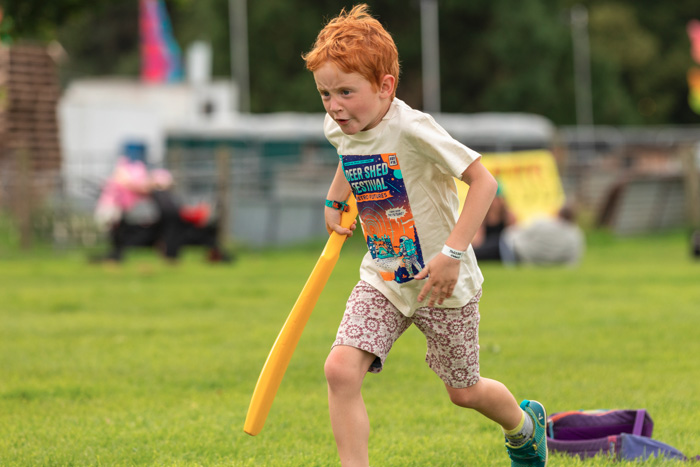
<point x="281" y="353"/>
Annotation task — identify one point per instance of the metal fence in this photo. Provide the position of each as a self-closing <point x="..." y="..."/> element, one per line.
<point x="262" y="198"/>
<point x="631" y="180"/>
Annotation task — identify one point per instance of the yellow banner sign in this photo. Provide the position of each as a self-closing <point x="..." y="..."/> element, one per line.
<point x="529" y="181"/>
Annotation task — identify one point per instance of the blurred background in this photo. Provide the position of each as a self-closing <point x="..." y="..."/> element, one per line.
<point x="215" y="91"/>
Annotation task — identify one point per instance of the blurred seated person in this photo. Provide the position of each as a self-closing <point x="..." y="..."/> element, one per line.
<point x="131" y="191"/>
<point x="487" y="240"/>
<point x="545" y="240"/>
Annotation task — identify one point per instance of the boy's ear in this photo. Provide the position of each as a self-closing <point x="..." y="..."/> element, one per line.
<point x="387" y="84"/>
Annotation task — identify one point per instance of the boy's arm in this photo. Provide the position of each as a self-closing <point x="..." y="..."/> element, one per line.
<point x="442" y="272"/>
<point x="339" y="191"/>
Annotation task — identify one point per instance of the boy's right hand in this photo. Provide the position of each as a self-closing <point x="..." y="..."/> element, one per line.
<point x="442" y="274"/>
<point x="333" y="223"/>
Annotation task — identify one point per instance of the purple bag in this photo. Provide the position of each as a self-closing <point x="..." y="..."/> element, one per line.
<point x="641" y="448"/>
<point x="621" y="434"/>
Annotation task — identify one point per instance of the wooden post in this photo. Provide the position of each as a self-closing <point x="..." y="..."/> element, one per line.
<point x="689" y="153"/>
<point x="29" y="94"/>
<point x="22" y="197"/>
<point x="692" y="185"/>
<point x="223" y="190"/>
<point x="174" y="161"/>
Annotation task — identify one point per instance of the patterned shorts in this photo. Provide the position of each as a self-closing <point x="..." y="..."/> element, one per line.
<point x="372" y="323"/>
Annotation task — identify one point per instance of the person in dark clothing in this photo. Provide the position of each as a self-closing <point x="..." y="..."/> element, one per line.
<point x="177" y="230"/>
<point x="175" y="226"/>
<point x="487" y="240"/>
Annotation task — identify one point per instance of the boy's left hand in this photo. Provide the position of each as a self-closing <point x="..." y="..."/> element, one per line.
<point x="333" y="218"/>
<point x="442" y="273"/>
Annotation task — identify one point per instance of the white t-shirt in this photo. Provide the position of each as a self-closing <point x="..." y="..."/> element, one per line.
<point x="402" y="174"/>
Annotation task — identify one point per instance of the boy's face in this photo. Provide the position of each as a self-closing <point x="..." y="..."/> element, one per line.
<point x="351" y="100"/>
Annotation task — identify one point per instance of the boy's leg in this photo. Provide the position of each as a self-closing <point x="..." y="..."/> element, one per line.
<point x="523" y="425"/>
<point x="345" y="370"/>
<point x="453" y="353"/>
<point x="491" y="399"/>
<point x="369" y="328"/>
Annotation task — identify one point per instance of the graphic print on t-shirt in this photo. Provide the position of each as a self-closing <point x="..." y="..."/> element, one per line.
<point x="385" y="214"/>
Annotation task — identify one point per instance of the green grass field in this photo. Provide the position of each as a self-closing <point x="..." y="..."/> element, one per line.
<point x="150" y="364"/>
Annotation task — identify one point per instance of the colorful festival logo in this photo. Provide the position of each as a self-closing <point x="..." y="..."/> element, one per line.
<point x="385" y="214"/>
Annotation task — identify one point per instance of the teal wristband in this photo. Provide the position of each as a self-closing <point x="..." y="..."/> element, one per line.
<point x="338" y="205"/>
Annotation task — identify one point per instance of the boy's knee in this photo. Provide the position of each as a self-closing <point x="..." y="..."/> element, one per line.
<point x="345" y="368"/>
<point x="337" y="372"/>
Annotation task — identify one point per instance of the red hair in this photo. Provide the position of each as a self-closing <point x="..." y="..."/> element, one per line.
<point x="355" y="42"/>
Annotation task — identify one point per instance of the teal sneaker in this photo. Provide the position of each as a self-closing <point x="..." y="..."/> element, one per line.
<point x="534" y="452"/>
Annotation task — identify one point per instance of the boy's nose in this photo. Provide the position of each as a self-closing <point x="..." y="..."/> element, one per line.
<point x="334" y="105"/>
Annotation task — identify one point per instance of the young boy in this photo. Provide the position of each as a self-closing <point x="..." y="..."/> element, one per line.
<point x="420" y="268"/>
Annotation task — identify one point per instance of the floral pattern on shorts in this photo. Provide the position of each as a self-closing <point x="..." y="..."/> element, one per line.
<point x="372" y="323"/>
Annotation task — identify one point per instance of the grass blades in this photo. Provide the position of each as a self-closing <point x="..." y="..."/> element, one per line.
<point x="151" y="364"/>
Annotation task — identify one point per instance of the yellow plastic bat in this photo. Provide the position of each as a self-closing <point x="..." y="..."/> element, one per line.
<point x="283" y="348"/>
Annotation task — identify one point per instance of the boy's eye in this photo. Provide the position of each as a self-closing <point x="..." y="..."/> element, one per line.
<point x="345" y="92"/>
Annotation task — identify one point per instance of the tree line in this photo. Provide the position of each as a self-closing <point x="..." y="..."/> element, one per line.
<point x="495" y="55"/>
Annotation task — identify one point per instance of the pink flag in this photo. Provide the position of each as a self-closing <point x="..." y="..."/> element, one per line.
<point x="161" y="59"/>
<point x="694" y="35"/>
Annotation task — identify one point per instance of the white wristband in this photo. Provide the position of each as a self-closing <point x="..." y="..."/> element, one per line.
<point x="452" y="253"/>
